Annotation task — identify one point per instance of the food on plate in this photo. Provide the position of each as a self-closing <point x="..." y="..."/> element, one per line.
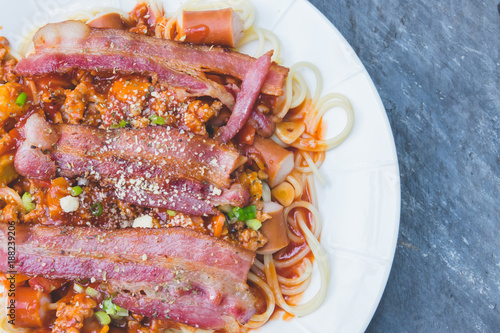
<point x="156" y="179"/>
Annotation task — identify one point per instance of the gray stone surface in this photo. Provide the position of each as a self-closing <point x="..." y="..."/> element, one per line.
<point x="436" y="65"/>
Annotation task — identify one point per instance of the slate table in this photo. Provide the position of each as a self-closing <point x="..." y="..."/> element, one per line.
<point x="436" y="65"/>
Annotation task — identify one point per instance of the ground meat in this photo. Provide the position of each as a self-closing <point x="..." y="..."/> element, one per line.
<point x="251" y="239"/>
<point x="7" y="63"/>
<point x="76" y="103"/>
<point x="245" y="237"/>
<point x="70" y="317"/>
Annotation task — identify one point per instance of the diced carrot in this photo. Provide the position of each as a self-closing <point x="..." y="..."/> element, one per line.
<point x="218" y="223"/>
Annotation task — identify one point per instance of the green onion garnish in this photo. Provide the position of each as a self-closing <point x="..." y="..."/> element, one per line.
<point x="21" y="99"/>
<point x="91" y="292"/>
<point x="76" y="191"/>
<point x="247" y="213"/>
<point x="113" y="310"/>
<point x="233" y="213"/>
<point x="28" y="203"/>
<point x="225" y="208"/>
<point x="254" y="224"/>
<point x="96" y="209"/>
<point x="122" y="124"/>
<point x="157" y="120"/>
<point x="171" y="213"/>
<point x="77" y="288"/>
<point x="121" y="312"/>
<point x="109" y="307"/>
<point x="103" y="317"/>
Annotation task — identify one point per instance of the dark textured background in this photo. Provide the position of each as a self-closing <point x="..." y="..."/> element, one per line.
<point x="436" y="65"/>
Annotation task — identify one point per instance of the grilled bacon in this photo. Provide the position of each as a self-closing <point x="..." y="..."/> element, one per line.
<point x="153" y="167"/>
<point x="172" y="273"/>
<point x="62" y="47"/>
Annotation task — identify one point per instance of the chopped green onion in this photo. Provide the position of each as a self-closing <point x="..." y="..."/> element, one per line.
<point x="233" y="213"/>
<point x="122" y="124"/>
<point x="28" y="203"/>
<point x="77" y="288"/>
<point x="103" y="317"/>
<point x="96" y="209"/>
<point x="76" y="191"/>
<point x="247" y="213"/>
<point x="91" y="292"/>
<point x="254" y="224"/>
<point x="109" y="307"/>
<point x="171" y="212"/>
<point x="157" y="120"/>
<point x="21" y="99"/>
<point x="225" y="208"/>
<point x="114" y="310"/>
<point x="121" y="312"/>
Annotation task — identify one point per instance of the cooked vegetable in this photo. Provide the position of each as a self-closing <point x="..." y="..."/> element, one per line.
<point x="28" y="203"/>
<point x="284" y="193"/>
<point x="157" y="120"/>
<point x="96" y="209"/>
<point x="21" y="99"/>
<point x="218" y="222"/>
<point x="103" y="317"/>
<point x="254" y="224"/>
<point x="76" y="191"/>
<point x="91" y="292"/>
<point x="247" y="213"/>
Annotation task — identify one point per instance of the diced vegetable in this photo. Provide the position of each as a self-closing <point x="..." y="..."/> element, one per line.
<point x="157" y="120"/>
<point x="225" y="208"/>
<point x="239" y="214"/>
<point x="76" y="191"/>
<point x="113" y="310"/>
<point x="103" y="317"/>
<point x="21" y="99"/>
<point x="91" y="292"/>
<point x="254" y="224"/>
<point x="96" y="209"/>
<point x="171" y="213"/>
<point x="28" y="203"/>
<point x="218" y="223"/>
<point x="77" y="288"/>
<point x="122" y="124"/>
<point x="247" y="213"/>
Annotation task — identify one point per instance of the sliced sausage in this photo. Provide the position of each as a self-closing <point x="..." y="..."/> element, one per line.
<point x="279" y="161"/>
<point x="222" y="27"/>
<point x="275" y="229"/>
<point x="32" y="308"/>
<point x="108" y="21"/>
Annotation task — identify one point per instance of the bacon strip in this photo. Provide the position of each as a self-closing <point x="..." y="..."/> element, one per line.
<point x="172" y="152"/>
<point x="153" y="167"/>
<point x="171" y="273"/>
<point x="250" y="89"/>
<point x="179" y="57"/>
<point x="195" y="84"/>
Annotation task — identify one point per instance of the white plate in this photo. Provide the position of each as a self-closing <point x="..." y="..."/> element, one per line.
<point x="361" y="201"/>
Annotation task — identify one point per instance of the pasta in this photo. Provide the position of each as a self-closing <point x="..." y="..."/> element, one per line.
<point x="278" y="278"/>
